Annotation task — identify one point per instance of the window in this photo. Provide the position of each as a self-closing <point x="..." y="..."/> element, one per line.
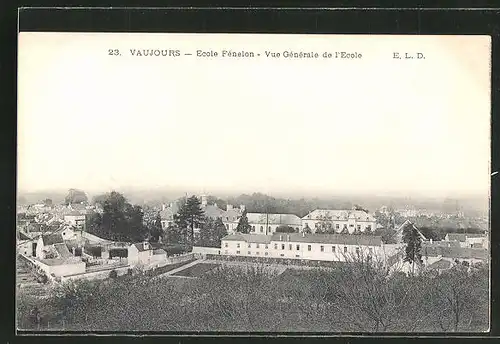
<point x="345" y="249"/>
<point x="345" y="226"/>
<point x="337" y="226"/>
<point x="266" y="253"/>
<point x="351" y="225"/>
<point x="227" y="226"/>
<point x="225" y="245"/>
<point x="266" y="247"/>
<point x="359" y="227"/>
<point x="297" y="256"/>
<point x="298" y="247"/>
<point x="225" y="251"/>
<point x="253" y="228"/>
<point x="257" y="245"/>
<point x="237" y="252"/>
<point x="282" y="255"/>
<point x="282" y="246"/>
<point x="357" y="250"/>
<point x="333" y="249"/>
<point x="227" y="218"/>
<point x="269" y="228"/>
<point x="290" y="247"/>
<point x="275" y="246"/>
<point x="322" y="248"/>
<point x="237" y="245"/>
<point x="309" y="247"/>
<point x="261" y="229"/>
<point x="249" y="245"/>
<point x="249" y="252"/>
<point x="369" y="227"/>
<point x="257" y="253"/>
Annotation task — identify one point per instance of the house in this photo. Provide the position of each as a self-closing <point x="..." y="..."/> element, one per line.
<point x="324" y="247"/>
<point x="267" y="224"/>
<point x="45" y="245"/>
<point x="75" y="218"/>
<point x="167" y="214"/>
<point x="232" y="217"/>
<point x="140" y="253"/>
<point x="468" y="240"/>
<point x="345" y="221"/>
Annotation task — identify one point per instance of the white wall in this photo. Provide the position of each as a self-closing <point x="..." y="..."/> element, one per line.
<point x="207" y="250"/>
<point x="288" y="249"/>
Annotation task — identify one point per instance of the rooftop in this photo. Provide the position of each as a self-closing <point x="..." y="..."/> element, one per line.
<point x="455" y="252"/>
<point x="51" y="239"/>
<point x="274" y="219"/>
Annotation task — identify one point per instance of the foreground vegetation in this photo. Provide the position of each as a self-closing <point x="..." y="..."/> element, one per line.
<point x="353" y="297"/>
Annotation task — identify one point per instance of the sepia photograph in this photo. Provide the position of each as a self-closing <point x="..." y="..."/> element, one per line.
<point x="262" y="183"/>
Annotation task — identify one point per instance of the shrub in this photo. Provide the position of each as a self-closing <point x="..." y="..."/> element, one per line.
<point x="113" y="274"/>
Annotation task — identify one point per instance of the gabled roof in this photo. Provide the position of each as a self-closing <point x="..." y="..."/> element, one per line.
<point x="340" y="239"/>
<point x="62" y="251"/>
<point x="213" y="212"/>
<point x="274" y="219"/>
<point x="339" y="215"/>
<point x="51" y="239"/>
<point x="253" y="238"/>
<point x="401" y="228"/>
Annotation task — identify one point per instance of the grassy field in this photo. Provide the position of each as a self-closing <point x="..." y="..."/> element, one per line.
<point x="196" y="270"/>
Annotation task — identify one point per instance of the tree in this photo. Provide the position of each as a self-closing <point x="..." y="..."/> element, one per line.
<point x="190" y="216"/>
<point x="75" y="196"/>
<point x="154" y="229"/>
<point x="413" y="247"/>
<point x="285" y="229"/>
<point x="325" y="225"/>
<point x="243" y="225"/>
<point x="120" y="220"/>
<point x="307" y="229"/>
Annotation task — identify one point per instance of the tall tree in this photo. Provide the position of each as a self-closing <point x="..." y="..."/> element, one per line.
<point x="190" y="216"/>
<point x="154" y="228"/>
<point x="413" y="247"/>
<point x="325" y="225"/>
<point x="243" y="225"/>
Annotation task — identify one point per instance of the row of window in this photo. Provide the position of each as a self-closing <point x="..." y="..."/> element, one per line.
<point x="297" y="247"/>
<point x="337" y="226"/>
<point x="269" y="229"/>
<point x="257" y="253"/>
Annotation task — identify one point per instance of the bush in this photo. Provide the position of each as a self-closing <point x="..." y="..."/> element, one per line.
<point x="113" y="274"/>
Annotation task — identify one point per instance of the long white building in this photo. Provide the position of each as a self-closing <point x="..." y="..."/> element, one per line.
<point x="325" y="247"/>
<point x="346" y="221"/>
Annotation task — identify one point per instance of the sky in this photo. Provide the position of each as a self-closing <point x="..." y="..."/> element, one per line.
<point x="371" y="125"/>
